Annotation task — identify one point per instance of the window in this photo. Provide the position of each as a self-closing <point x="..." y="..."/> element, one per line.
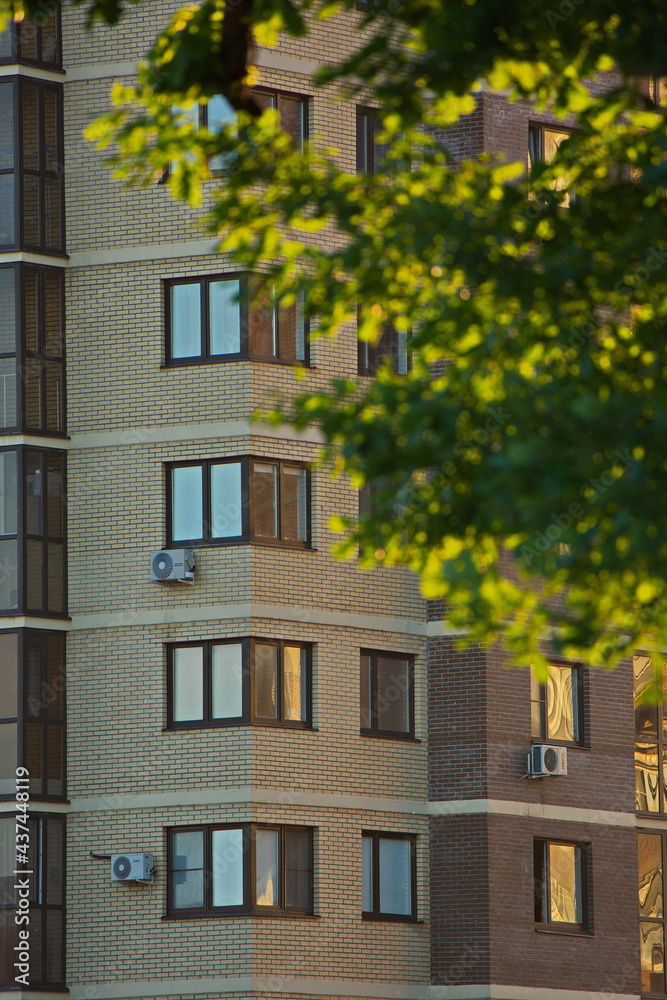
<point x="219" y="318"/>
<point x="387" y="702"/>
<point x="32" y="726"/>
<point x="32" y="371"/>
<point x="35" y="44"/>
<point x="31" y="161"/>
<point x="556" y="705"/>
<point x="651" y="856"/>
<point x="543" y="146"/>
<point x="219" y="683"/>
<point x="237" y="500"/>
<point x="650" y="744"/>
<point x="391" y="346"/>
<point x="33" y="577"/>
<point x="560" y="899"/>
<point x="371" y="153"/>
<point x="240" y="869"/>
<point x="389" y="886"/>
<point x="45" y="842"/>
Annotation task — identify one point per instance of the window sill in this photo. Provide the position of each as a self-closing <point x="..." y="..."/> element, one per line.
<point x="245" y="914"/>
<point x="196" y="726"/>
<point x="567" y="930"/>
<point x="196" y="362"/>
<point x="538" y="741"/>
<point x="373" y="735"/>
<point x="389" y="918"/>
<point x="225" y="543"/>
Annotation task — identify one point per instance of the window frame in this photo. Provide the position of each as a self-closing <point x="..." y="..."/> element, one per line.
<point x="15" y="30"/>
<point x="249" y="861"/>
<point x="543" y="892"/>
<point x="248" y="535"/>
<point x="578" y="695"/>
<point x="375" y="730"/>
<point x="245" y="353"/>
<point x="371" y="357"/>
<point x="249" y="715"/>
<point x="376" y="913"/>
<point x="537" y="130"/>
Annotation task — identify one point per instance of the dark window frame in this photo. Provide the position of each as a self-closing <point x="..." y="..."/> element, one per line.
<point x="245" y="306"/>
<point x="23" y="536"/>
<point x="249" y="906"/>
<point x="375" y="730"/>
<point x="43" y="905"/>
<point x="247" y="535"/>
<point x="578" y="714"/>
<point x="542" y="886"/>
<point x="536" y="156"/>
<point x="249" y="715"/>
<point x="376" y="913"/>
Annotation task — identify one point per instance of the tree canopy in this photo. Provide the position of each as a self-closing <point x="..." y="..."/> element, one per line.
<point x="519" y="464"/>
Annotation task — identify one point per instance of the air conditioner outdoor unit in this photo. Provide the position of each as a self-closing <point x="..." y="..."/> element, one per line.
<point x="168" y="565"/>
<point x="545" y="761"/>
<point x="129" y="867"/>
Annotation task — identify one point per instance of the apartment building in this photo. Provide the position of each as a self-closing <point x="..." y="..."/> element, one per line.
<point x="314" y="792"/>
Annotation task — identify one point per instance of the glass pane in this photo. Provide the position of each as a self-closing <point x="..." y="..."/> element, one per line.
<point x="53" y="213"/>
<point x="9" y="667"/>
<point x="53" y="947"/>
<point x="220" y="113"/>
<point x="51" y="130"/>
<point x="294" y="683"/>
<point x="363" y="166"/>
<point x="365" y="692"/>
<point x="32" y="381"/>
<point x="652" y="948"/>
<point x="649" y="849"/>
<point x="393" y="694"/>
<point x="294" y="519"/>
<point x="8" y="931"/>
<point x="54" y="396"/>
<point x="291" y="332"/>
<point x="34" y="489"/>
<point x="227" y="851"/>
<point x="227" y="680"/>
<point x="8" y="855"/>
<point x="188" y="683"/>
<point x="6" y="43"/>
<point x="224" y="312"/>
<point x="187" y="496"/>
<point x="6" y="126"/>
<point x="7" y="232"/>
<point x="366" y="874"/>
<point x="267" y="848"/>
<point x="54" y="496"/>
<point x="53" y="339"/>
<point x="30" y="126"/>
<point x="34" y="575"/>
<point x="537" y="694"/>
<point x="55" y="759"/>
<point x="564" y="891"/>
<point x="561" y="703"/>
<point x="30" y="309"/>
<point x="55" y="843"/>
<point x="55" y="677"/>
<point x="266" y="680"/>
<point x="292" y="118"/>
<point x="8" y="311"/>
<point x="646" y="714"/>
<point x="187" y="875"/>
<point x="31" y="210"/>
<point x="50" y="46"/>
<point x="298" y="869"/>
<point x="33" y="677"/>
<point x="647" y="795"/>
<point x="262" y="324"/>
<point x="28" y="37"/>
<point x="55" y="579"/>
<point x="9" y="595"/>
<point x="8" y="415"/>
<point x="185" y="320"/>
<point x="265" y="500"/>
<point x="34" y="755"/>
<point x="8" y="493"/>
<point x="395" y="876"/>
<point x="226" y="500"/>
<point x="8" y="757"/>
